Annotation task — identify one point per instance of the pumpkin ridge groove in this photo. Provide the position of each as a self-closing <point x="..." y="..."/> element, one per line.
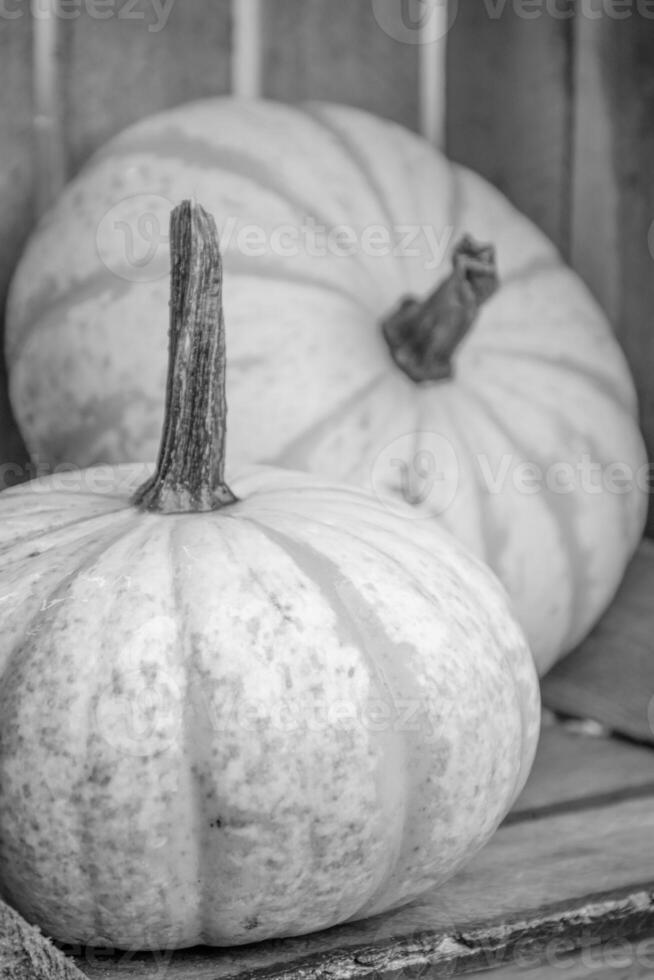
<point x="189" y="731"/>
<point x="566" y="529"/>
<point x="335" y="599"/>
<point x="44" y="307"/>
<point x="315" y="112"/>
<point x="92" y="757"/>
<point x="63" y="583"/>
<point x="5" y="550"/>
<point x="547" y="408"/>
<point x="486" y="524"/>
<point x="567" y="366"/>
<point x="96" y="554"/>
<point x="293" y="455"/>
<point x="44" y="310"/>
<point x="173" y="144"/>
<point x="283" y="275"/>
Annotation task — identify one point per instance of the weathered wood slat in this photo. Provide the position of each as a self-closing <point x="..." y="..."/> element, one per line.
<point x="342" y="51"/>
<point x="509" y="105"/>
<point x="610" y="678"/>
<point x="144" y="58"/>
<point x="567" y="877"/>
<point x="16" y="199"/>
<point x="613" y="195"/>
<point x="621" y="959"/>
<point x="574" y="770"/>
<point x="594" y="229"/>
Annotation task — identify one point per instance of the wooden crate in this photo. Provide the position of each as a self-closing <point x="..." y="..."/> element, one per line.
<point x="553" y="103"/>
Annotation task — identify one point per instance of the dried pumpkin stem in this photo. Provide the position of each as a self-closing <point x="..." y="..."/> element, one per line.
<point x="190" y="471"/>
<point x="423" y="336"/>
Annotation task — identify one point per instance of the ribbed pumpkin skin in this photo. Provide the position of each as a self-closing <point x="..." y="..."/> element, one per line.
<point x="311" y="752"/>
<point x="539" y="380"/>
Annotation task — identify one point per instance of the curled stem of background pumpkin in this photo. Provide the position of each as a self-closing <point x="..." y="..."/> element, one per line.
<point x="423" y="336"/>
<point x="189" y="476"/>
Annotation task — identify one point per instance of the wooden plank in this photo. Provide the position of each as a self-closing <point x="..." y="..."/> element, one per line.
<point x="569" y="877"/>
<point x="352" y="51"/>
<point x="509" y="106"/>
<point x="16" y="189"/>
<point x="613" y="233"/>
<point x="594" y="233"/>
<point x="610" y="677"/>
<point x="573" y="769"/>
<point x="143" y="57"/>
<point x="622" y="959"/>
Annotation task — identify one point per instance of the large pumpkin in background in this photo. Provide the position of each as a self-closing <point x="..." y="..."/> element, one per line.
<point x="529" y="452"/>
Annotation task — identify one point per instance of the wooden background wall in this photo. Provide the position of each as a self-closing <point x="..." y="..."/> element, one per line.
<point x="555" y="105"/>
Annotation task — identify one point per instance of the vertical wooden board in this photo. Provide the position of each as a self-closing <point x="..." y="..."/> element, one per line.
<point x="613" y="176"/>
<point x="16" y="190"/>
<point x="509" y="104"/>
<point x="342" y="51"/>
<point x="147" y="56"/>
<point x="594" y="229"/>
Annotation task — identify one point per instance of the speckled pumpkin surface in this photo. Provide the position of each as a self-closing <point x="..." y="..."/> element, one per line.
<point x="257" y="722"/>
<point x="234" y="712"/>
<point x="540" y="405"/>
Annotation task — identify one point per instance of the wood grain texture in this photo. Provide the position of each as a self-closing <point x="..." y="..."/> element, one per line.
<point x="338" y="51"/>
<point x="422" y="953"/>
<point x="573" y="770"/>
<point x="613" y="192"/>
<point x="594" y="231"/>
<point x="551" y="882"/>
<point x="622" y="959"/>
<point x="509" y="106"/>
<point x="145" y="57"/>
<point x="16" y="200"/>
<point x="610" y="677"/>
<point x="624" y="54"/>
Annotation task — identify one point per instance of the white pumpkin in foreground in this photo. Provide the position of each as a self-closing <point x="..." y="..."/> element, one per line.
<point x="233" y="714"/>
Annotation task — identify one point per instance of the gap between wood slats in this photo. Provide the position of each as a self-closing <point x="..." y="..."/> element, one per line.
<point x="577" y="804"/>
<point x="51" y="168"/>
